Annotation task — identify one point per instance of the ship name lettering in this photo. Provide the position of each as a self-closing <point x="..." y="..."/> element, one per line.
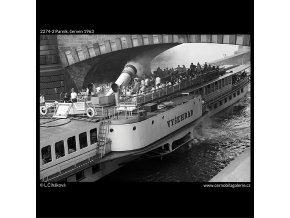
<point x="178" y="119"/>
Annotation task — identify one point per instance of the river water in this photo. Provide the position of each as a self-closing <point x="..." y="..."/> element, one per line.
<point x="221" y="138"/>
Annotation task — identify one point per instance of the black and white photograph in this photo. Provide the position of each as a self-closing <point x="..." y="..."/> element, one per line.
<point x="144" y="108"/>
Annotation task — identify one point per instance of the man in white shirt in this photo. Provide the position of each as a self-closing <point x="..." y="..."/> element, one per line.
<point x="73" y="95"/>
<point x="146" y="82"/>
<point x="157" y="81"/>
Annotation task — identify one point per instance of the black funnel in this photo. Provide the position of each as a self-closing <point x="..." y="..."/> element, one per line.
<point x="115" y="87"/>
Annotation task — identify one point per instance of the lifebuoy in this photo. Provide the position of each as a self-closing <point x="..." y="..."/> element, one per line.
<point x="43" y="110"/>
<point x="90" y="112"/>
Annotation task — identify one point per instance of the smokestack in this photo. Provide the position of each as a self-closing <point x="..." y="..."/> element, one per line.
<point x="124" y="79"/>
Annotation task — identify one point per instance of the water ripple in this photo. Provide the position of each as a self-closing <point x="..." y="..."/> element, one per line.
<point x="222" y="139"/>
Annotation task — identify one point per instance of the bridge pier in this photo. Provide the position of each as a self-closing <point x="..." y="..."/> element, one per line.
<point x="51" y="70"/>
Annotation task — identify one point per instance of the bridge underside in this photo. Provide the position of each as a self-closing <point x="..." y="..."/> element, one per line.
<point x="107" y="67"/>
<point x="237" y="59"/>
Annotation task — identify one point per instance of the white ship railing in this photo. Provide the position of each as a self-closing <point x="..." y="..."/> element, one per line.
<point x="158" y="93"/>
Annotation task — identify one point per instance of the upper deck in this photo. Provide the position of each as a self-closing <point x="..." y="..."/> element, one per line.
<point x="55" y="130"/>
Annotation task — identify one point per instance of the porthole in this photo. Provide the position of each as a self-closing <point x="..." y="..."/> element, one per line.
<point x="162" y="117"/>
<point x="152" y="122"/>
<point x="134" y="128"/>
<point x="111" y="130"/>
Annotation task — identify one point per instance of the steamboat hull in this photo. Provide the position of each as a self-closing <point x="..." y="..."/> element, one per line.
<point x="162" y="130"/>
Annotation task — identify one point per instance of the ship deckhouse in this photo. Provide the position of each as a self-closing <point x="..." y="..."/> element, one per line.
<point x="109" y="129"/>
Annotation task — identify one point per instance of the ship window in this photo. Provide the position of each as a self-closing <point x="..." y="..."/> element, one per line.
<point x="215" y="105"/>
<point x="238" y="92"/>
<point x="83" y="140"/>
<point x="226" y="100"/>
<point x="234" y="95"/>
<point x="221" y="102"/>
<point x="152" y="122"/>
<point x="223" y="82"/>
<point x="242" y="89"/>
<point x="93" y="135"/>
<point x="134" y="128"/>
<point x="209" y="107"/>
<point x="95" y="168"/>
<point x="59" y="149"/>
<point x="230" y="97"/>
<point x="80" y="175"/>
<point x="46" y="154"/>
<point x="226" y="81"/>
<point x="219" y="84"/>
<point x="71" y="144"/>
<point x="212" y="87"/>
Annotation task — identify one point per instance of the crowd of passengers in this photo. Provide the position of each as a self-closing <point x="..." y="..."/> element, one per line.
<point x="238" y="77"/>
<point x="149" y="82"/>
<point x="165" y="77"/>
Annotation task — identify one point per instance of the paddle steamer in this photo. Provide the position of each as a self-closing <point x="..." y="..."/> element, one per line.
<point x="85" y="140"/>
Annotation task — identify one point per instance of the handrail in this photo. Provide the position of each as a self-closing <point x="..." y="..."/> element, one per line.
<point x="231" y="90"/>
<point x="160" y="92"/>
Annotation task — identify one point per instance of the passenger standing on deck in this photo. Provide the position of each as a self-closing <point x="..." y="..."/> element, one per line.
<point x="183" y="68"/>
<point x="157" y="81"/>
<point x="73" y="95"/>
<point x="192" y="67"/>
<point x="66" y="97"/>
<point x="205" y="67"/>
<point x="147" y="81"/>
<point x="209" y="67"/>
<point x="42" y="100"/>
<point x="198" y="67"/>
<point x="88" y="92"/>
